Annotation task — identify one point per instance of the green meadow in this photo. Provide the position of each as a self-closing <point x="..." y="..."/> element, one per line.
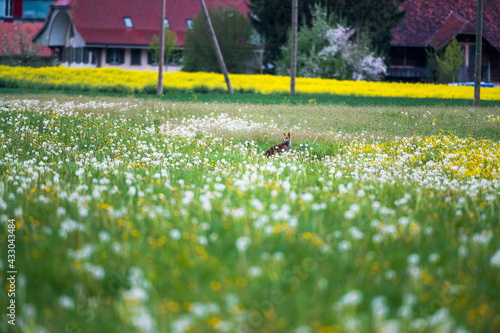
<point x="138" y="214"/>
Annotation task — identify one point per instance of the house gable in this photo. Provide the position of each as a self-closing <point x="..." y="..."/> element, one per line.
<point x="429" y="21"/>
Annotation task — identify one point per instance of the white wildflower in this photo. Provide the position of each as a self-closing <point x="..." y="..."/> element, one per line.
<point x="104" y="236"/>
<point x="243" y="243"/>
<point x="66" y="302"/>
<point x="255" y="271"/>
<point x="307" y="197"/>
<point x="188" y="197"/>
<point x="175" y="234"/>
<point x="495" y="259"/>
<point x="352" y="298"/>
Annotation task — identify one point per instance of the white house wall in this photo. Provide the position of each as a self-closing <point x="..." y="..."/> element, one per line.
<point x="126" y="64"/>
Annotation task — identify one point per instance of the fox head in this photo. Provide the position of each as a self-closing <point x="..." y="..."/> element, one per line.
<point x="287" y="136"/>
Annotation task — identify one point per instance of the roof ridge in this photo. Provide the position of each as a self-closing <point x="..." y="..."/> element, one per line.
<point x="429" y="40"/>
<point x="451" y="14"/>
<point x="459" y="17"/>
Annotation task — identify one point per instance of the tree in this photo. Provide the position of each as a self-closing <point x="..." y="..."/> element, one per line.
<point x="332" y="50"/>
<point x="154" y="46"/>
<point x="233" y="32"/>
<point x="452" y="59"/>
<point x="378" y="17"/>
<point x="271" y="19"/>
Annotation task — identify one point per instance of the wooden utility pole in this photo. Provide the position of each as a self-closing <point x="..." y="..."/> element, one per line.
<point x="479" y="53"/>
<point x="293" y="63"/>
<point x="162" y="49"/>
<point x="216" y="46"/>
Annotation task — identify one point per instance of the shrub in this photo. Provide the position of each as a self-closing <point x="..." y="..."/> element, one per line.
<point x="233" y="34"/>
<point x="330" y="50"/>
<point x="169" y="45"/>
<point x="452" y="59"/>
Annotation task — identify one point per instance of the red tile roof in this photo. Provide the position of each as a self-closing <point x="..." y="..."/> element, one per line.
<point x="101" y="21"/>
<point x="429" y="21"/>
<point x="61" y="3"/>
<point x="13" y="34"/>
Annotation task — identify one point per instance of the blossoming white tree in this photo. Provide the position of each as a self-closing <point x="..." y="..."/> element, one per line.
<point x="330" y="50"/>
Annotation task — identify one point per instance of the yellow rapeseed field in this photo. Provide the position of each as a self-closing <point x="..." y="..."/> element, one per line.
<point x="132" y="81"/>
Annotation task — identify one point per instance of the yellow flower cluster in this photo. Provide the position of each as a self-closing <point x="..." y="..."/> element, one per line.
<point x="80" y="78"/>
<point x="460" y="157"/>
<point x="493" y="119"/>
<point x="138" y="81"/>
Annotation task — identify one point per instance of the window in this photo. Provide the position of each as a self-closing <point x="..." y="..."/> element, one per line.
<point x="6" y="8"/>
<point x="128" y="22"/>
<point x="115" y="56"/>
<point x="190" y="24"/>
<point x="135" y="56"/>
<point x="166" y="25"/>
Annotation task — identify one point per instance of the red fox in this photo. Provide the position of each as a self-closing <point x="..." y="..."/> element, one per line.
<point x="285" y="146"/>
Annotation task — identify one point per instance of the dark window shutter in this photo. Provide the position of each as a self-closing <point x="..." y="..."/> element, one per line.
<point x="71" y="55"/>
<point x="135" y="56"/>
<point x="109" y="56"/>
<point x="62" y="54"/>
<point x="85" y="56"/>
<point x="121" y="56"/>
<point x="78" y="55"/>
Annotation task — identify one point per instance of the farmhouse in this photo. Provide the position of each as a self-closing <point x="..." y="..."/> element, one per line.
<point x="432" y="24"/>
<point x="115" y="33"/>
